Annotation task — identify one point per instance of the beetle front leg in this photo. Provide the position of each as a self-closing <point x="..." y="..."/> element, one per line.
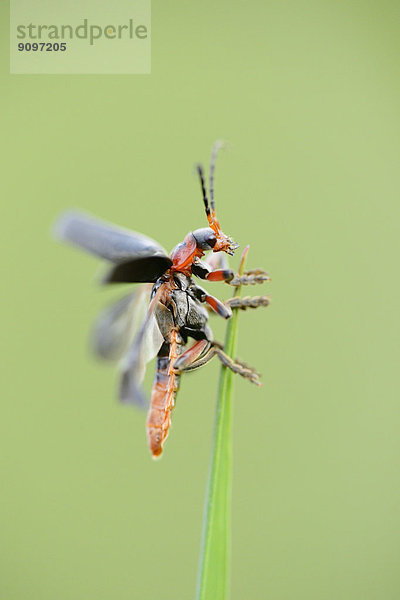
<point x="226" y="275"/>
<point x="204" y="271"/>
<point x="253" y="277"/>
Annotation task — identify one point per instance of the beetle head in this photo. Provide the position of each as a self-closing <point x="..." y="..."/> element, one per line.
<point x="208" y="239"/>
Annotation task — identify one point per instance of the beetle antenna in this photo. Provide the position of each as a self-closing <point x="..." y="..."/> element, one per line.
<point x="217" y="146"/>
<point x="204" y="192"/>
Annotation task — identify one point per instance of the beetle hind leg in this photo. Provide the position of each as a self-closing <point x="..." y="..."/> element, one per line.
<point x="238" y="367"/>
<point x="189" y="360"/>
<point x="203" y="351"/>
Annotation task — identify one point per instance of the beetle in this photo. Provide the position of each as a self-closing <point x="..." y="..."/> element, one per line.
<point x="176" y="307"/>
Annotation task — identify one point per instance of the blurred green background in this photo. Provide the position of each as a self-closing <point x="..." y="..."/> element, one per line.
<point x="307" y="94"/>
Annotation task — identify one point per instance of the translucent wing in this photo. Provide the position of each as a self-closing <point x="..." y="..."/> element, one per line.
<point x="217" y="260"/>
<point x="115" y="327"/>
<point x="146" y="345"/>
<point x="138" y="257"/>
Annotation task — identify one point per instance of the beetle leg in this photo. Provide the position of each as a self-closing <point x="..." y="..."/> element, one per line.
<point x="220" y="275"/>
<point x="204" y="270"/>
<point x="205" y="351"/>
<point x="216" y="305"/>
<point x="185" y="360"/>
<point x="248" y="302"/>
<point x="219" y="307"/>
<point x="250" y="278"/>
<point x="199" y="362"/>
<point x="238" y="367"/>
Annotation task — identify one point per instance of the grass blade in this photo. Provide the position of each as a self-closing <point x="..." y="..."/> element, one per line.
<point x="214" y="566"/>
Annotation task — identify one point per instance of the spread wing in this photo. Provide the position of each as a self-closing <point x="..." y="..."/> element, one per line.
<point x="137" y="258"/>
<point x="115" y="327"/>
<point x="145" y="347"/>
<point x="217" y="260"/>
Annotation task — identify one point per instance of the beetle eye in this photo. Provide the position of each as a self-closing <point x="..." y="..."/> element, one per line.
<point x="211" y="239"/>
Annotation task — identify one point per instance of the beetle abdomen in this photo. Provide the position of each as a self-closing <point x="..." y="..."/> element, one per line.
<point x="165" y="387"/>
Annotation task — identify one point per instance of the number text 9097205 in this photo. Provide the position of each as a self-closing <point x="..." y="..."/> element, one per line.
<point x="42" y="47"/>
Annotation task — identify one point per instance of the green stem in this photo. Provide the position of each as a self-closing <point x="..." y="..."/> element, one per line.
<point x="214" y="566"/>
